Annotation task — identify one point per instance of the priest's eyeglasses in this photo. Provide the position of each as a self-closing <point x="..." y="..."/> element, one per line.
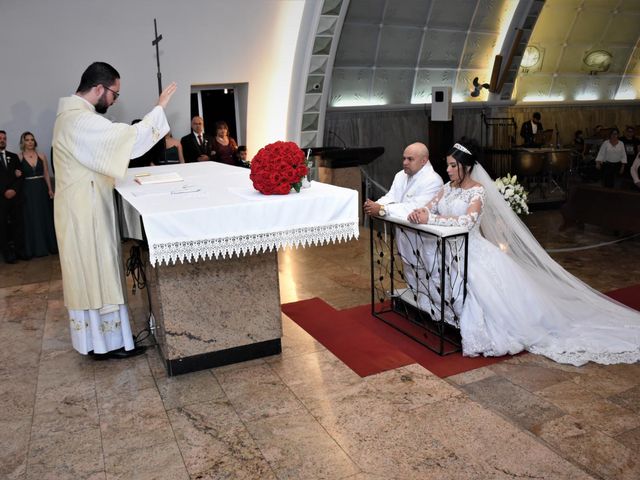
<point x="115" y="94"/>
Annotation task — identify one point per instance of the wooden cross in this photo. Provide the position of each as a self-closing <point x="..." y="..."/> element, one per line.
<point x="155" y="42"/>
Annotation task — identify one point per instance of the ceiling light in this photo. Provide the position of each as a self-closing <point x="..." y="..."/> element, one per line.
<point x="543" y="98"/>
<point x="625" y="95"/>
<point x="585" y="97"/>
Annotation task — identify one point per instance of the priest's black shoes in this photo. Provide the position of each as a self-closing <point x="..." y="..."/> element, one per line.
<point x="122" y="353"/>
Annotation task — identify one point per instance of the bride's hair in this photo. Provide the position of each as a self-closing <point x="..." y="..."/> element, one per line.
<point x="465" y="155"/>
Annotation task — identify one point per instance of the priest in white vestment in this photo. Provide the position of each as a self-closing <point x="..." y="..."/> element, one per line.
<point x="89" y="152"/>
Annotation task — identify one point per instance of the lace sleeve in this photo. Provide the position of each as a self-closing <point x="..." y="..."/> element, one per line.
<point x="432" y="206"/>
<point x="470" y="217"/>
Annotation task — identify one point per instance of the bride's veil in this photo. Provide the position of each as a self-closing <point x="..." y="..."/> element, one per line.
<point x="501" y="226"/>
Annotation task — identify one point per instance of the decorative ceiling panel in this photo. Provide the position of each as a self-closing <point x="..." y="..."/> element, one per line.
<point x="455" y="14"/>
<point x="393" y="87"/>
<point x="399" y="46"/>
<point x="533" y="87"/>
<point x="427" y="78"/>
<point x="478" y="52"/>
<point x="588" y="27"/>
<point x="351" y="87"/>
<point x="558" y="19"/>
<point x="571" y="56"/>
<point x="407" y="12"/>
<point x="490" y="15"/>
<point x="593" y="87"/>
<point x="441" y="49"/>
<point x="366" y="11"/>
<point x="358" y="43"/>
<point x="619" y="58"/>
<point x="624" y="29"/>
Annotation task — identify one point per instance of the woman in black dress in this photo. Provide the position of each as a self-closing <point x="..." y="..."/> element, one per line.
<point x="39" y="232"/>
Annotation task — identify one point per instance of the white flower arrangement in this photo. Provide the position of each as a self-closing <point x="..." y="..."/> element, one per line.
<point x="513" y="193"/>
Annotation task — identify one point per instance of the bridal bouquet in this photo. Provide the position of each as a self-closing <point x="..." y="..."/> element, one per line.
<point x="277" y="168"/>
<point x="513" y="193"/>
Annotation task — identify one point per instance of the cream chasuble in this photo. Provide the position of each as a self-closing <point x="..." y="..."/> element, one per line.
<point x="89" y="151"/>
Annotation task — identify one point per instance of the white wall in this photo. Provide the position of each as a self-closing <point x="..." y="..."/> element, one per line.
<point x="47" y="44"/>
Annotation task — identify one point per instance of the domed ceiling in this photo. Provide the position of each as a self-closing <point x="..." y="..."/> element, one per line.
<point x="392" y="52"/>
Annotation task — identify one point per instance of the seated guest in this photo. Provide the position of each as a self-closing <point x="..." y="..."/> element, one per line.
<point x="611" y="159"/>
<point x="224" y="147"/>
<point x="530" y="128"/>
<point x="173" y="150"/>
<point x="197" y="146"/>
<point x="39" y="233"/>
<point x="153" y="157"/>
<point x="11" y="228"/>
<point x="241" y="156"/>
<point x="412" y="187"/>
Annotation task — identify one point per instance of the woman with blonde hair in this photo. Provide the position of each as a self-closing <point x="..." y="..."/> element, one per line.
<point x="39" y="232"/>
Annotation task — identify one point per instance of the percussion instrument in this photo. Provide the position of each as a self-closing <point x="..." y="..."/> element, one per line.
<point x="559" y="161"/>
<point x="528" y="163"/>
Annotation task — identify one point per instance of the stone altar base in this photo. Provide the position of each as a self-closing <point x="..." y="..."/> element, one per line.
<point x="215" y="312"/>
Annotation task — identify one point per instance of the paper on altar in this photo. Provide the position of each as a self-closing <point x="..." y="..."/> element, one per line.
<point x="148" y="179"/>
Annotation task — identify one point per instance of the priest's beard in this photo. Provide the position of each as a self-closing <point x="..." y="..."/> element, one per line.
<point x="102" y="106"/>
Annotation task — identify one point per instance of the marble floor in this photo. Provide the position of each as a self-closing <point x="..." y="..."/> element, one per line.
<point x="303" y="414"/>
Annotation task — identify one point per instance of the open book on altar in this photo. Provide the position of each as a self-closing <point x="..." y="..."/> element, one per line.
<point x="149" y="178"/>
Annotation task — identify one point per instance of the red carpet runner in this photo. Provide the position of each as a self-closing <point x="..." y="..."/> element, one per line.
<point x="369" y="346"/>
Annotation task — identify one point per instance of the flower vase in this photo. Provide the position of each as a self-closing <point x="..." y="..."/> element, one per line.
<point x="305" y="182"/>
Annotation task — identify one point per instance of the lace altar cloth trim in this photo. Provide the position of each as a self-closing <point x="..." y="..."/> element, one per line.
<point x="194" y="250"/>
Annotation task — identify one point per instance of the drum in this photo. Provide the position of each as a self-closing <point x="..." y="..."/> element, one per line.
<point x="527" y="163"/>
<point x="559" y="161"/>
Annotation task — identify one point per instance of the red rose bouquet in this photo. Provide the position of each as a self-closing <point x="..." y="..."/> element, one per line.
<point x="277" y="168"/>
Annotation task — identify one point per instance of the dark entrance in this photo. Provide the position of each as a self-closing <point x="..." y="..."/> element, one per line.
<point x="216" y="105"/>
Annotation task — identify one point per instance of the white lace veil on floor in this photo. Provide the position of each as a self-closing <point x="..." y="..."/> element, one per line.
<point x="501" y="226"/>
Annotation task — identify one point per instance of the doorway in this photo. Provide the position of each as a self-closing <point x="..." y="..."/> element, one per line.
<point x="225" y="103"/>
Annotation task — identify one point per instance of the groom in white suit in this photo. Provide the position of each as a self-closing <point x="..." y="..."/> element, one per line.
<point x="413" y="187"/>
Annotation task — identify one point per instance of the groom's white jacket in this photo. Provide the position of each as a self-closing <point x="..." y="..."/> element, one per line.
<point x="408" y="193"/>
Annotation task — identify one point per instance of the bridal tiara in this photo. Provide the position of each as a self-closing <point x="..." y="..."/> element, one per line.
<point x="462" y="148"/>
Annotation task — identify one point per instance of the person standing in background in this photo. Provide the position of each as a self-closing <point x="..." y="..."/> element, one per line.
<point x="39" y="233"/>
<point x="611" y="159"/>
<point x="11" y="227"/>
<point x="197" y="146"/>
<point x="224" y="147"/>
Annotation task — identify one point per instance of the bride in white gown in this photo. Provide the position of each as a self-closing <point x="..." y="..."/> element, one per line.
<point x="518" y="298"/>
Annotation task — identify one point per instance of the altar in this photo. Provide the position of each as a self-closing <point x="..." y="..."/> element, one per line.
<point x="211" y="263"/>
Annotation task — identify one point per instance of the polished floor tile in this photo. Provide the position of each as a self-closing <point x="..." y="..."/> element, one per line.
<point x="303" y="413"/>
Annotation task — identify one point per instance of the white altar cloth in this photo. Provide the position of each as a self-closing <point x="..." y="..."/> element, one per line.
<point x="216" y="212"/>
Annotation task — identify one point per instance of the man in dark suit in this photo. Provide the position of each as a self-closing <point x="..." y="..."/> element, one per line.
<point x="11" y="224"/>
<point x="529" y="130"/>
<point x="197" y="146"/>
